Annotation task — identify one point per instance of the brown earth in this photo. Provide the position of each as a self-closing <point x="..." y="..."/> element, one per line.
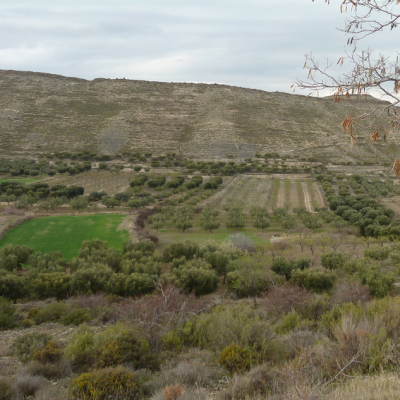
<point x="41" y="113"/>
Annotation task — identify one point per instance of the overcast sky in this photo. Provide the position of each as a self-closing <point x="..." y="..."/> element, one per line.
<point x="250" y="43"/>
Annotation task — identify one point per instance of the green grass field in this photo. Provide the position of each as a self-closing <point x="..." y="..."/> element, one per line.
<point x="66" y="233"/>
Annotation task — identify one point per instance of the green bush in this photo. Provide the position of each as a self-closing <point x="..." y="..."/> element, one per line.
<point x="249" y="278"/>
<point x="377" y="252"/>
<point x="236" y="359"/>
<point x="284" y="267"/>
<point x="75" y="316"/>
<point x="6" y="389"/>
<point x="213" y="183"/>
<point x="133" y="285"/>
<point x="50" y="312"/>
<point x="50" y="353"/>
<point x="334" y="259"/>
<point x="80" y="348"/>
<point x="13" y="286"/>
<point x="316" y="279"/>
<point x="187" y="249"/>
<point x="138" y="180"/>
<point x="116" y="383"/>
<point x="91" y="280"/>
<point x="235" y="218"/>
<point x="195" y="182"/>
<point x="157" y="181"/>
<point x="55" y="284"/>
<point x="200" y="281"/>
<point x="176" y="182"/>
<point x="7" y="313"/>
<point x="26" y="345"/>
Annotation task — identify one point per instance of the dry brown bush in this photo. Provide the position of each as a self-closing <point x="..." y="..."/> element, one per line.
<point x="153" y="316"/>
<point x="173" y="392"/>
<point x="285" y="298"/>
<point x="28" y="385"/>
<point x="91" y="302"/>
<point x="259" y="381"/>
<point x="351" y="292"/>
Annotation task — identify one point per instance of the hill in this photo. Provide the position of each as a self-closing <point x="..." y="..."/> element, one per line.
<point x="41" y="112"/>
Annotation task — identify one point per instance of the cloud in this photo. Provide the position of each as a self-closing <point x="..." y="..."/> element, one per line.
<point x="250" y="43"/>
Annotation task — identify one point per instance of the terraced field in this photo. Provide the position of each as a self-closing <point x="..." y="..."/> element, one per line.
<point x="259" y="190"/>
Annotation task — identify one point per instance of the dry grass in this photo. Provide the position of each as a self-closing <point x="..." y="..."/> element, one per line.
<point x="385" y="386"/>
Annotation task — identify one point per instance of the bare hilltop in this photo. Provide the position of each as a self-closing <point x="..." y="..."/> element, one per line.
<point x="41" y="113"/>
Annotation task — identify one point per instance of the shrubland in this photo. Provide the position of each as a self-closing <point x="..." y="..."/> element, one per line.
<point x="167" y="318"/>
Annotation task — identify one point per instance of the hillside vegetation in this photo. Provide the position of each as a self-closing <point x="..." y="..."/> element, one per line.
<point x="42" y="112"/>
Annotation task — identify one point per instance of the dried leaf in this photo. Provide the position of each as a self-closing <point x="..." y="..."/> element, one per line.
<point x="396" y="167"/>
<point x="374" y="136"/>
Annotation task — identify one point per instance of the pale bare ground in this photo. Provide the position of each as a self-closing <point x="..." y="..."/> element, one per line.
<point x="232" y="196"/>
<point x="257" y="192"/>
<point x="307" y="200"/>
<point x="128" y="223"/>
<point x="244" y="190"/>
<point x="217" y="198"/>
<point x="281" y="195"/>
<point x="319" y="197"/>
<point x="300" y="193"/>
<point x="294" y="198"/>
<point x="98" y="181"/>
<point x="393" y="203"/>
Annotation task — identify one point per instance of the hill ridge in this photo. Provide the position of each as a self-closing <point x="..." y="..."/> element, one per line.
<point x="43" y="112"/>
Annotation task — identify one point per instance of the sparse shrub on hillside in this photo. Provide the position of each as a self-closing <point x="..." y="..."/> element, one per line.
<point x="50" y="353"/>
<point x="26" y="345"/>
<point x="50" y="312"/>
<point x="28" y="385"/>
<point x="282" y="299"/>
<point x="118" y="382"/>
<point x="6" y="389"/>
<point x="256" y="383"/>
<point x="236" y="359"/>
<point x="154" y="316"/>
<point x="7" y="313"/>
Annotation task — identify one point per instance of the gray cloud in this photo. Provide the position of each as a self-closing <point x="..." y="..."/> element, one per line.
<point x="252" y="43"/>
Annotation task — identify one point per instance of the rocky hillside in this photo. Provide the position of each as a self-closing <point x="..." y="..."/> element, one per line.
<point x="40" y="113"/>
